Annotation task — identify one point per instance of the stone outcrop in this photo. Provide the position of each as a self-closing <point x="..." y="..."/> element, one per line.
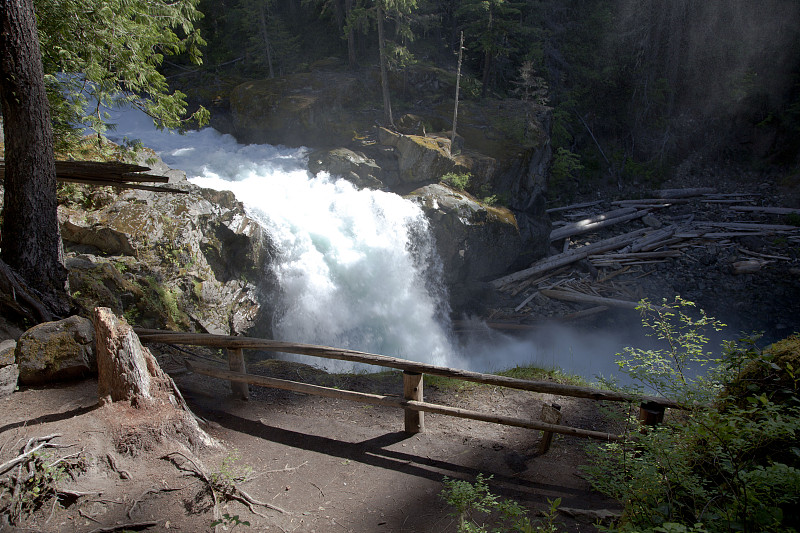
<point x="9" y="370"/>
<point x="355" y="167"/>
<point x="421" y="159"/>
<point x="183" y="261"/>
<point x="475" y="242"/>
<point x="56" y="351"/>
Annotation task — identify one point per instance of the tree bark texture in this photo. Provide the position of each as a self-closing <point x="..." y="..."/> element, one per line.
<point x="31" y="241"/>
<point x="126" y="370"/>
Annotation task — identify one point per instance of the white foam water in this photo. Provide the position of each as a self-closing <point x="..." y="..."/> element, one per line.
<point x="356" y="268"/>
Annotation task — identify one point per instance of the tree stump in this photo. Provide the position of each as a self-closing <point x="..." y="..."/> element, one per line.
<point x="129" y="374"/>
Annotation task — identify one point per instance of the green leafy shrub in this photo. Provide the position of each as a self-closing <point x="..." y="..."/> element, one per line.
<point x="473" y="503"/>
<point x="457" y="181"/>
<point x="730" y="460"/>
<point x="564" y="167"/>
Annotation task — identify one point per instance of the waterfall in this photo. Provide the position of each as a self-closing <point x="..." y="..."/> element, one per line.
<point x="356" y="268"/>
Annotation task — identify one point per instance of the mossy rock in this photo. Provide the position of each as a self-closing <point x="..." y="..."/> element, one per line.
<point x="57" y="351"/>
<point x="775" y="374"/>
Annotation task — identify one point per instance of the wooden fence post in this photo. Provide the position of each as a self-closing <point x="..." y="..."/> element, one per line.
<point x="551" y="414"/>
<point x="236" y="364"/>
<point x="651" y="414"/>
<point x="412" y="390"/>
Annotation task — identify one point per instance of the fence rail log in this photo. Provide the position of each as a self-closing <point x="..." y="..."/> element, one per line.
<point x="226" y="341"/>
<point x="390" y="401"/>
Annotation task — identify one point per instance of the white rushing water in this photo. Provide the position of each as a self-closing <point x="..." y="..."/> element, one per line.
<point x="357" y="269"/>
<point x="354" y="266"/>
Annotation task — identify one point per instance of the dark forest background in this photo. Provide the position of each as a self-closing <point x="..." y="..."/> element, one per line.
<point x="637" y="87"/>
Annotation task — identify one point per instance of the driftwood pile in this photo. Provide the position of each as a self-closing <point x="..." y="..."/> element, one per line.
<point x="557" y="278"/>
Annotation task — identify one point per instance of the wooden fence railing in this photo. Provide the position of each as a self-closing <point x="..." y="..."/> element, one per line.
<point x="651" y="408"/>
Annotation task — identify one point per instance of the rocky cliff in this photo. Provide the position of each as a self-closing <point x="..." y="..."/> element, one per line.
<point x="186" y="260"/>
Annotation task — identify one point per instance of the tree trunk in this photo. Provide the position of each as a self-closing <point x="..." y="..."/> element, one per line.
<point x="31" y="242"/>
<point x="262" y="14"/>
<point x="487" y="59"/>
<point x="387" y="103"/>
<point x="351" y="36"/>
<point x="127" y="372"/>
<point x="453" y="151"/>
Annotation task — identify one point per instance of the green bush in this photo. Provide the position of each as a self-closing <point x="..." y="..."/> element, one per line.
<point x="728" y="462"/>
<point x="457" y="181"/>
<point x="473" y="503"/>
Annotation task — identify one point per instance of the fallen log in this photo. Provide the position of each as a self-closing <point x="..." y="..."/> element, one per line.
<point x="573" y="206"/>
<point x="106" y="170"/>
<point x="583" y="313"/>
<point x="764" y="256"/>
<point x="684" y="193"/>
<point x="578" y="297"/>
<point x="768" y="210"/>
<point x="652" y="238"/>
<point x="571" y="256"/>
<point x="748" y="266"/>
<point x="748" y="226"/>
<point x="645" y="201"/>
<point x="637" y="255"/>
<point x="596" y="222"/>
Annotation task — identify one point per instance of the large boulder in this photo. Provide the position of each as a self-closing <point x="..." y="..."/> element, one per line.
<point x="355" y="167"/>
<point x="191" y="260"/>
<point x="476" y="242"/>
<point x="421" y="159"/>
<point x="56" y="351"/>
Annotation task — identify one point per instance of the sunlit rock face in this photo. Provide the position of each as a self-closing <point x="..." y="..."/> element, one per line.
<point x="191" y="260"/>
<point x="476" y="242"/>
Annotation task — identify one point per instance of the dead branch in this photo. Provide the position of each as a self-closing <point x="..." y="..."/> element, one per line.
<point x="28" y="451"/>
<point x="126" y="526"/>
<point x="229" y="491"/>
<point x="123" y="474"/>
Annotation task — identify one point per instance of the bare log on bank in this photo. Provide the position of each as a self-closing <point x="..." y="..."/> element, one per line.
<point x="684" y="193"/>
<point x="579" y="297"/>
<point x="573" y="206"/>
<point x="600" y="221"/>
<point x="648" y="201"/>
<point x="767" y="210"/>
<point x="571" y="256"/>
<point x="752" y="226"/>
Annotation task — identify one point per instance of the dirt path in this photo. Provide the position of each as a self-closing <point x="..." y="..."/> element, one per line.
<point x="329" y="465"/>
